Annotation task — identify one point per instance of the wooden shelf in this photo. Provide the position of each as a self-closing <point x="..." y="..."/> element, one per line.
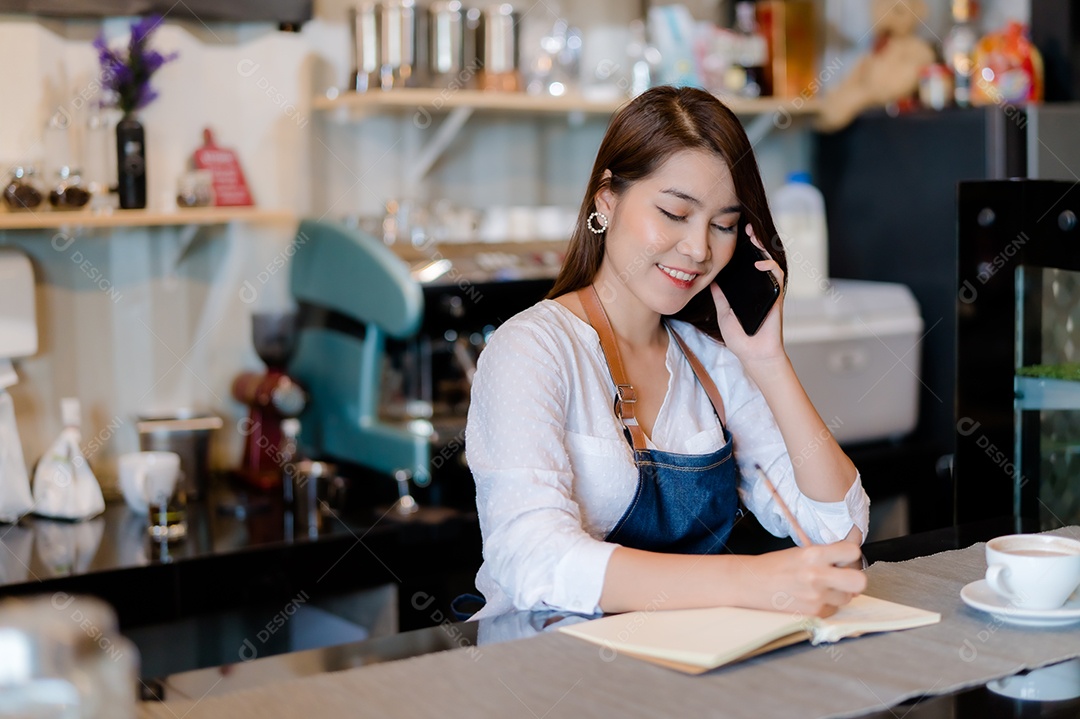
<point x="459" y="250"/>
<point x="51" y="219"/>
<point x="436" y="100"/>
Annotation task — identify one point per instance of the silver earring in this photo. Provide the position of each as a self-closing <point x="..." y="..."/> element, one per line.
<point x="603" y="223"/>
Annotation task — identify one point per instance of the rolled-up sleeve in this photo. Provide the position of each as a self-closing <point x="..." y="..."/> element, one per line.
<point x="758" y="441"/>
<point x="535" y="547"/>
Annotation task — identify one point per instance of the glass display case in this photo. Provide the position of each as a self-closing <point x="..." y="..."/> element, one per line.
<point x="1018" y="352"/>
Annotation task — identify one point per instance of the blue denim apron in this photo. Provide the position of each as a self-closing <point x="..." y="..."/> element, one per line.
<point x="684" y="503"/>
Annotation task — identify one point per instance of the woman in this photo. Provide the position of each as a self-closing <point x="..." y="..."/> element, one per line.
<point x="596" y="498"/>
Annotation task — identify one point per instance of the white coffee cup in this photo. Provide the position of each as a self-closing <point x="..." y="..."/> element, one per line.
<point x="1033" y="571"/>
<point x="142" y="472"/>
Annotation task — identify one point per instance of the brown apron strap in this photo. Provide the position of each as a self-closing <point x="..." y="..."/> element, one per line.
<point x="703" y="378"/>
<point x="625" y="397"/>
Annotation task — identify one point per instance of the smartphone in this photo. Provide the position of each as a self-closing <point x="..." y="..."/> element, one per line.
<point x="750" y="292"/>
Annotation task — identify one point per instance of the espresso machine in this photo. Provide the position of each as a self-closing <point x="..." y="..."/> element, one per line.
<point x="273" y="397"/>
<point x="18" y="338"/>
<point x="429" y="376"/>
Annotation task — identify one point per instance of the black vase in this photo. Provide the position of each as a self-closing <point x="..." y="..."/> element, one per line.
<point x="131" y="163"/>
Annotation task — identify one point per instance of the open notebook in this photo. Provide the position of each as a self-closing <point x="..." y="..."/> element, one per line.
<point x="697" y="640"/>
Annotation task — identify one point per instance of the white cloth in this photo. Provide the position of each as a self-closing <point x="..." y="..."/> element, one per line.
<point x="64" y="485"/>
<point x="554" y="473"/>
<point x="15" y="497"/>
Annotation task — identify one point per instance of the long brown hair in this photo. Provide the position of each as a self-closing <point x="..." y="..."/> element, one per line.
<point x="642" y="135"/>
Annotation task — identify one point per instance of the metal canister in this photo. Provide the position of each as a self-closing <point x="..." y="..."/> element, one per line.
<point x="498" y="49"/>
<point x="397" y="22"/>
<point x="446" y="36"/>
<point x="472" y="47"/>
<point x="365" y="47"/>
<point x="316" y="491"/>
<point x="188" y="434"/>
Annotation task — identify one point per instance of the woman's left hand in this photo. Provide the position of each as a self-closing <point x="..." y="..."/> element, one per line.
<point x="767" y="343"/>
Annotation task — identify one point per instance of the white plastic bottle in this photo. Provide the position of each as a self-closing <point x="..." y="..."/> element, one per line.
<point x="798" y="210"/>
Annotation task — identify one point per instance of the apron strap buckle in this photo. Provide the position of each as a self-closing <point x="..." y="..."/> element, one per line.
<point x="625" y="395"/>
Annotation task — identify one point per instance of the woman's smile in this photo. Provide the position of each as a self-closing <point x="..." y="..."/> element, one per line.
<point x="683" y="279"/>
<point x="680" y="220"/>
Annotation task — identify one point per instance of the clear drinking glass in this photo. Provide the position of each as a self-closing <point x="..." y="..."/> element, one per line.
<point x="97" y="168"/>
<point x="167" y="502"/>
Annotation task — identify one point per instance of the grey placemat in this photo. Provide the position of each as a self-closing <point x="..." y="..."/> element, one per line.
<point x="554" y="675"/>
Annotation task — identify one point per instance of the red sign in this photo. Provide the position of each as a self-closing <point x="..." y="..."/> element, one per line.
<point x="230" y="187"/>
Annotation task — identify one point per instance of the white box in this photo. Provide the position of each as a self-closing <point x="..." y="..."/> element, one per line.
<point x="857" y="351"/>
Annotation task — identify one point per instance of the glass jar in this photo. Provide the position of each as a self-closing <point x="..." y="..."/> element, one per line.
<point x="195" y="188"/>
<point x="62" y="656"/>
<point x="68" y="193"/>
<point x="21" y="192"/>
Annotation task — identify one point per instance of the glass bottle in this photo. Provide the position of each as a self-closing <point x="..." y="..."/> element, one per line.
<point x="98" y="169"/>
<point x="131" y="163"/>
<point x="644" y="59"/>
<point x="960" y="49"/>
<point x="57" y="142"/>
<point x="752" y="52"/>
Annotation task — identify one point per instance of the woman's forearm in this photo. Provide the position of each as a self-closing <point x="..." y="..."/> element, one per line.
<point x="812" y="580"/>
<point x="822" y="470"/>
<point x="639" y="580"/>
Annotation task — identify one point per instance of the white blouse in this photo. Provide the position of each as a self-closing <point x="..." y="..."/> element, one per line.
<point x="554" y="472"/>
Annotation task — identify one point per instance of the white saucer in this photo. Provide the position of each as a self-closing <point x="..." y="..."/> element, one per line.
<point x="980" y="596"/>
<point x="1055" y="683"/>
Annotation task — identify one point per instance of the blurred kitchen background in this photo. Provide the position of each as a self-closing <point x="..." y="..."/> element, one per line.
<point x="155" y="320"/>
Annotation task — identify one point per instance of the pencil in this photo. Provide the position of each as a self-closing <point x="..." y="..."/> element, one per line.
<point x="803" y="539"/>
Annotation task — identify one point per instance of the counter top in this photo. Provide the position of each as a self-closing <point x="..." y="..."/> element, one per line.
<point x="978" y="702"/>
<point x="242" y="550"/>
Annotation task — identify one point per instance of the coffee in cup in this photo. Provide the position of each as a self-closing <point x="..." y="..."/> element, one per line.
<point x="1033" y="571"/>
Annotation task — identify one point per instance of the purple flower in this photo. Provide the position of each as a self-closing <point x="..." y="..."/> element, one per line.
<point x="141" y="29"/>
<point x="127" y="79"/>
